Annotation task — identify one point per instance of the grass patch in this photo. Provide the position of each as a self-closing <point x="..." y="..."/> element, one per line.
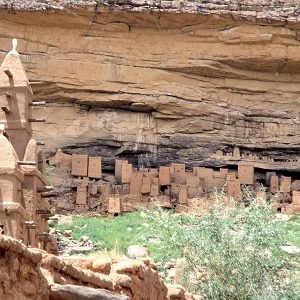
<point x="133" y="228"/>
<point x="122" y="231"/>
<point x="118" y="233"/>
<point x="291" y="230"/>
<point x="236" y="252"/>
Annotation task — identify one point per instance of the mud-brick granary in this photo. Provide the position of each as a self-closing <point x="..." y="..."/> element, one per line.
<point x="24" y="209"/>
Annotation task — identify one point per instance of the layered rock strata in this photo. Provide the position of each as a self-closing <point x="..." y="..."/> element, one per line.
<point x="157" y="82"/>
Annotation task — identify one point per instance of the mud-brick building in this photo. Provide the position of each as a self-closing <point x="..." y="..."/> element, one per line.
<point x="24" y="209"/>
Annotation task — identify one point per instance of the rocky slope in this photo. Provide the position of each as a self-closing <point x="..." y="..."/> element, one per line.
<point x="161" y="81"/>
<point x="29" y="273"/>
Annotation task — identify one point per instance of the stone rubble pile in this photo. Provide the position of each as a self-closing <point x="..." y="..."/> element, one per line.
<point x="66" y="245"/>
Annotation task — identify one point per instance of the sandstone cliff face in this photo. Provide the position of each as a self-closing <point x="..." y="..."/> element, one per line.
<point x="162" y="81"/>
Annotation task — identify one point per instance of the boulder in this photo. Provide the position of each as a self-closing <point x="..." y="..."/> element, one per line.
<point x="72" y="292"/>
<point x="290" y="249"/>
<point x="65" y="220"/>
<point x="135" y="251"/>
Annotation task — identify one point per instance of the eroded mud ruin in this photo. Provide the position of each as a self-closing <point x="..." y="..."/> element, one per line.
<point x="172" y="186"/>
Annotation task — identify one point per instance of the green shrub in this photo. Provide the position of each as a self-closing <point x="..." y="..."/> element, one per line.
<point x="229" y="253"/>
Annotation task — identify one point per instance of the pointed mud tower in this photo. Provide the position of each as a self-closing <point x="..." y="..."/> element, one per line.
<point x="13" y="215"/>
<point x="16" y="99"/>
<point x="24" y="209"/>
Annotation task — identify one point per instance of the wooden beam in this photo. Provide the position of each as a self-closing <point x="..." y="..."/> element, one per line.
<point x="5" y="109"/>
<point x="37" y="103"/>
<point x="35" y="82"/>
<point x="8" y="95"/>
<point x="36" y="120"/>
<point x="49" y="194"/>
<point x="30" y="224"/>
<point x="45" y="188"/>
<point x="8" y="73"/>
<point x="43" y="212"/>
<point x="27" y="163"/>
<point x="46" y="216"/>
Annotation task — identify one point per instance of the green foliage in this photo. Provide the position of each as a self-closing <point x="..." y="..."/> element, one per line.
<point x="49" y="171"/>
<point x="108" y="231"/>
<point x="229" y="253"/>
<point x="291" y="230"/>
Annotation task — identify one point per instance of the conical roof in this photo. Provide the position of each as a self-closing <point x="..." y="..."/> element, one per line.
<point x="8" y="156"/>
<point x="31" y="151"/>
<point x="13" y="63"/>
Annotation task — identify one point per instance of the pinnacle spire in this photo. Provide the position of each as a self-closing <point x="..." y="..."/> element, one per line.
<point x="14" y="47"/>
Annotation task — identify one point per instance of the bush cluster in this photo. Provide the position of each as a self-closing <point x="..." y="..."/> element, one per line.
<point x="229" y="253"/>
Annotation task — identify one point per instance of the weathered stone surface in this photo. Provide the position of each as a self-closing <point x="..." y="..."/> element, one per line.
<point x="162" y="87"/>
<point x="21" y="277"/>
<point x="139" y="279"/>
<point x="287" y="10"/>
<point x="65" y="220"/>
<point x="29" y="273"/>
<point x="95" y="264"/>
<point x="70" y="292"/>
